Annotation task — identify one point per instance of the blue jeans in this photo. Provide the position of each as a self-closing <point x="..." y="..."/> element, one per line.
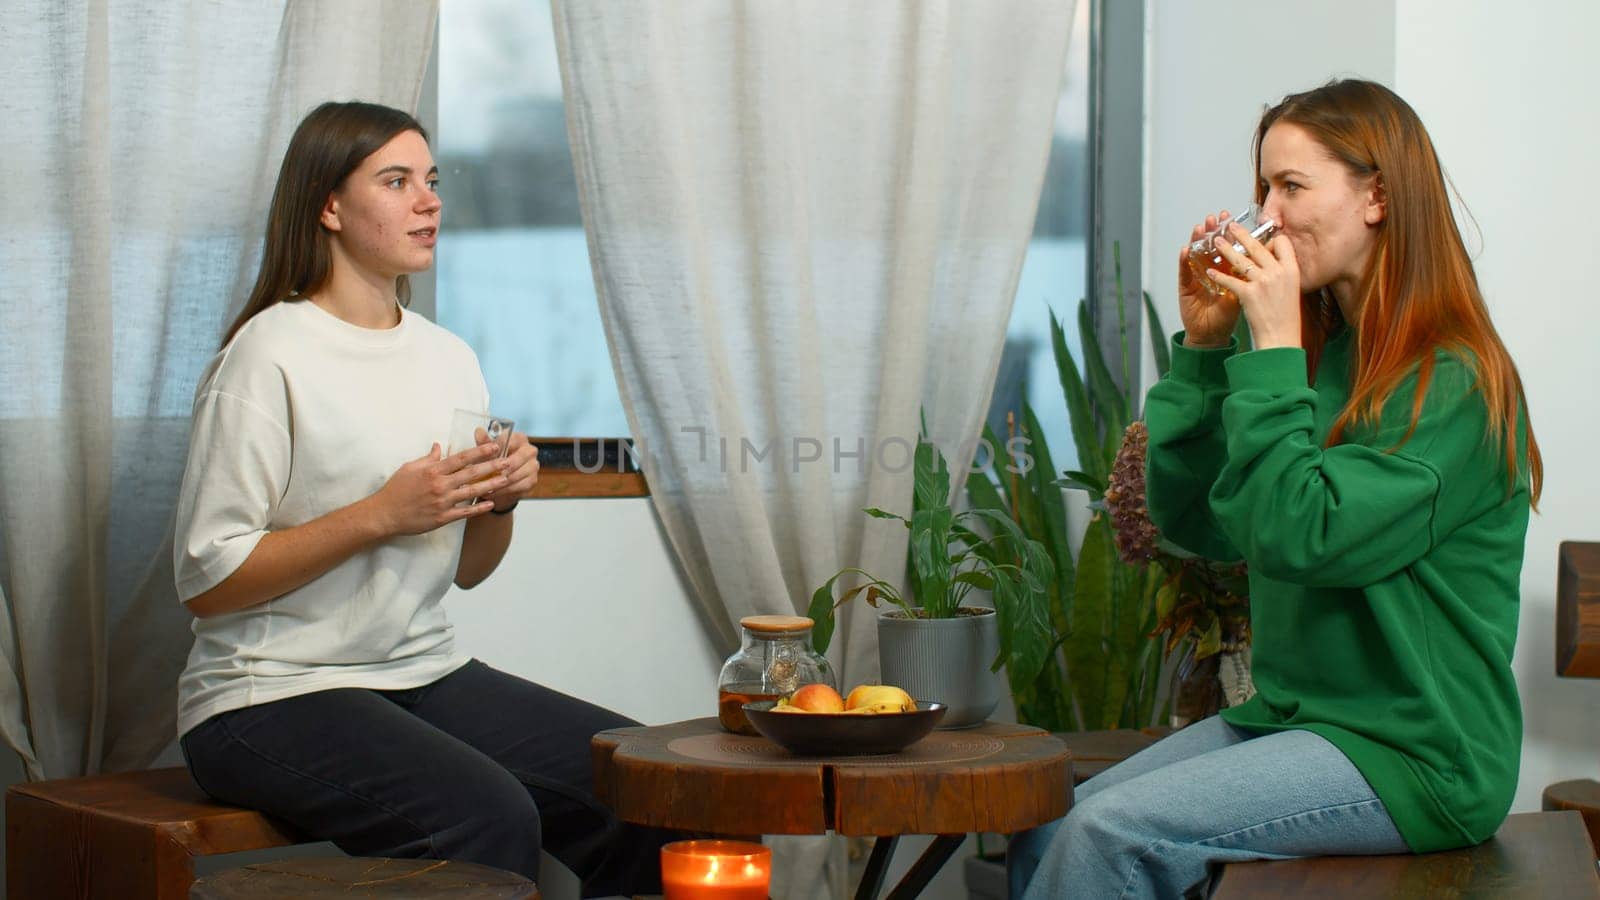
<point x="479" y="766"/>
<point x="1154" y="824"/>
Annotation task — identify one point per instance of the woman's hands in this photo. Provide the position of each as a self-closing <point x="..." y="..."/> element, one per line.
<point x="431" y="491"/>
<point x="522" y="472"/>
<point x="1267" y="285"/>
<point x="1208" y="320"/>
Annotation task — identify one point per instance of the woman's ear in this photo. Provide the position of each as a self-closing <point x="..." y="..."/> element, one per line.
<point x="1377" y="201"/>
<point x="330" y="213"/>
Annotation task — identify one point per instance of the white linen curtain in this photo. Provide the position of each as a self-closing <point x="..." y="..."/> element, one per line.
<point x="142" y="142"/>
<point x="806" y="222"/>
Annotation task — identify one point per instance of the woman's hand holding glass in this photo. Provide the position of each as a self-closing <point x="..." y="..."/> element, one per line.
<point x="1208" y="320"/>
<point x="436" y="490"/>
<point x="1267" y="285"/>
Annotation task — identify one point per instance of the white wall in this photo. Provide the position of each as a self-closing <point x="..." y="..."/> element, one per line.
<point x="590" y="601"/>
<point x="1508" y="98"/>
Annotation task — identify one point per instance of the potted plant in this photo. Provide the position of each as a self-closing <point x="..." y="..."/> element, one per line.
<point x="939" y="647"/>
<point x="1202" y="606"/>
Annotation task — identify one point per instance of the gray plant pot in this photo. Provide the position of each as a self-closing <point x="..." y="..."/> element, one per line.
<point x="945" y="660"/>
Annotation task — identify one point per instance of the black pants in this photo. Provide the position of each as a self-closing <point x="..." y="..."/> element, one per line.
<point x="479" y="766"/>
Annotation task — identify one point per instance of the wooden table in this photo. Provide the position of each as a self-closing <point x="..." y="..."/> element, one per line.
<point x="694" y="776"/>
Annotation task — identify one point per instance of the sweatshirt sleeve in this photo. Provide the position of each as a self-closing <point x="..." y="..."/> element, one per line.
<point x="238" y="471"/>
<point x="1183" y="412"/>
<point x="1358" y="512"/>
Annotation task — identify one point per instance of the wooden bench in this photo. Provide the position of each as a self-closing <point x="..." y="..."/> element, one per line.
<point x="130" y="836"/>
<point x="1533" y="855"/>
<point x="351" y="877"/>
<point x="1578" y="656"/>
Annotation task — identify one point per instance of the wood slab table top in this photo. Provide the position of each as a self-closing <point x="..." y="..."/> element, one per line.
<point x="694" y="776"/>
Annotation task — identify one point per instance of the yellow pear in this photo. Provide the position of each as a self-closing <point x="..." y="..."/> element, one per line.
<point x="879" y="698"/>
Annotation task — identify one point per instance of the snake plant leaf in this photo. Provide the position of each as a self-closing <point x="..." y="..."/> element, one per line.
<point x="1129" y="625"/>
<point x="1087" y="649"/>
<point x="1040" y="481"/>
<point x="1158" y="341"/>
<point x="988" y="474"/>
<point x="1109" y="400"/>
<point x="1080" y="412"/>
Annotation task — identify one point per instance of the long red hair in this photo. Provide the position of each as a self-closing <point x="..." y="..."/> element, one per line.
<point x="1419" y="293"/>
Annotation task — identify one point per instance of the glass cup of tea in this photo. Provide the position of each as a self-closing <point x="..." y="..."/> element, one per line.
<point x="1203" y="254"/>
<point x="469" y="428"/>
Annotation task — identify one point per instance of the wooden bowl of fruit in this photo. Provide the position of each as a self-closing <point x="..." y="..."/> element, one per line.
<point x="816" y="721"/>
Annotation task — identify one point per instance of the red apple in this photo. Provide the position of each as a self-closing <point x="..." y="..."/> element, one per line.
<point x="817" y="698"/>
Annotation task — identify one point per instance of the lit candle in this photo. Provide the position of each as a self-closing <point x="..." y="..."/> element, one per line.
<point x="715" y="870"/>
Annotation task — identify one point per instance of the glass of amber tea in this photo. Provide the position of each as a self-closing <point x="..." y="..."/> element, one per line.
<point x="469" y="428"/>
<point x="1203" y="254"/>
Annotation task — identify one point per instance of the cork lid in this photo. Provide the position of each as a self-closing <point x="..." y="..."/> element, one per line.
<point x="775" y="624"/>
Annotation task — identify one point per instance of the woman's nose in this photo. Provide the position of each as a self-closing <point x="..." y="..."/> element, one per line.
<point x="1270" y="208"/>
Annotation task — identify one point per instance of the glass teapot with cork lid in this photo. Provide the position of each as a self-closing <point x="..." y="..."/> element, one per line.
<point x="774" y="660"/>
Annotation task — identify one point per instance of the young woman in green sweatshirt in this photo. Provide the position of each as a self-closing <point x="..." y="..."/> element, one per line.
<point x="1371" y="461"/>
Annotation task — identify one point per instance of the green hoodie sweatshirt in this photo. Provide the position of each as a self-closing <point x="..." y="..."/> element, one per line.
<point x="1383" y="570"/>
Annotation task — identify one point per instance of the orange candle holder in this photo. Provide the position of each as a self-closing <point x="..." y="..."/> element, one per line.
<point x="715" y="870"/>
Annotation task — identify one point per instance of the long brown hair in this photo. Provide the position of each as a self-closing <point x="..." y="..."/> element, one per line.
<point x="1419" y="293"/>
<point x="327" y="146"/>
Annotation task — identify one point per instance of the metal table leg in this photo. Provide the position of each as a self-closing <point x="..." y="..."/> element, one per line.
<point x="921" y="872"/>
<point x="877" y="867"/>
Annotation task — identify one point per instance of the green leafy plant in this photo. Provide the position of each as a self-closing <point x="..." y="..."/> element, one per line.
<point x="952" y="555"/>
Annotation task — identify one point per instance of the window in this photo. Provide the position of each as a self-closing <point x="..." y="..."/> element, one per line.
<point x="514" y="277"/>
<point x="513" y="269"/>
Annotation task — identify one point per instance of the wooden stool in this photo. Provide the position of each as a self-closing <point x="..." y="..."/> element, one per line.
<point x="360" y="877"/>
<point x="1581" y="796"/>
<point x="129" y="836"/>
<point x="1533" y="855"/>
